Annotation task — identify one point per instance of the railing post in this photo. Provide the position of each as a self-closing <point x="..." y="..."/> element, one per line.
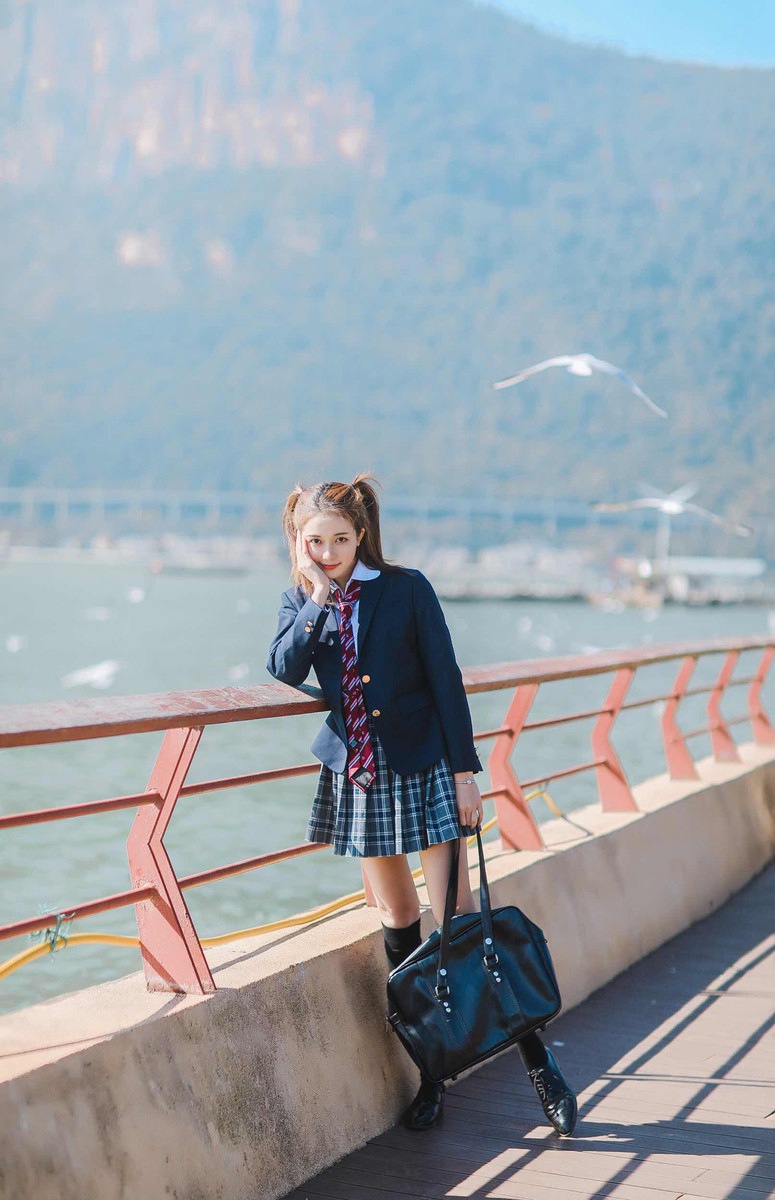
<point x="613" y="788"/>
<point x="173" y="958"/>
<point x="763" y="733"/>
<point x="680" y="763"/>
<point x="518" y="827"/>
<point x="724" y="748"/>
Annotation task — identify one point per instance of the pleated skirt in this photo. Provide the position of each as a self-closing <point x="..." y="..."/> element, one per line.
<point x="398" y="814"/>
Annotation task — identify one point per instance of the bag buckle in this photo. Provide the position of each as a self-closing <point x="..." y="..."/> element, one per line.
<point x="442" y="992"/>
<point x="441" y="989"/>
<point x="490" y="957"/>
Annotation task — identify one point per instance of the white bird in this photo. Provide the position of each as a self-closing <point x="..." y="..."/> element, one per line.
<point x="670" y="505"/>
<point x="674" y="508"/>
<point x="583" y="364"/>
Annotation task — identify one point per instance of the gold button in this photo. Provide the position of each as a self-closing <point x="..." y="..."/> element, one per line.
<point x="366" y="679"/>
<point x="375" y="712"/>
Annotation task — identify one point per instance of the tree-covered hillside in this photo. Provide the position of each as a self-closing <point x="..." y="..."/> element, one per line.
<point x="250" y="242"/>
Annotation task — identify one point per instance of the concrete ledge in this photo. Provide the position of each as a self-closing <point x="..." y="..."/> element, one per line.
<point x="117" y="1094"/>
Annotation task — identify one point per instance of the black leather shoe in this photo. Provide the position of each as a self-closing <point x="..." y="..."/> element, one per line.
<point x="556" y="1095"/>
<point x="425" y="1109"/>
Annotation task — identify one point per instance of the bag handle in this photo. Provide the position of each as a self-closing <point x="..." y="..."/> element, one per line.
<point x="489" y="953"/>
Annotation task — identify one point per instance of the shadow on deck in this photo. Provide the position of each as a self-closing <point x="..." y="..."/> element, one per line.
<point x="674" y="1062"/>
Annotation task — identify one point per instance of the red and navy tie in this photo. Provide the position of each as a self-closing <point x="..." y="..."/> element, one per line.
<point x="360" y="758"/>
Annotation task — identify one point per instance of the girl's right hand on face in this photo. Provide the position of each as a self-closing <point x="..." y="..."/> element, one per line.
<point x="321" y="584"/>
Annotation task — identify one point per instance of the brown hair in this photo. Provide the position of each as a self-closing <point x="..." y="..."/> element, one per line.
<point x="357" y="502"/>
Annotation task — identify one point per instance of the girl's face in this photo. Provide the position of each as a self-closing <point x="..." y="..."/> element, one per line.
<point x="333" y="544"/>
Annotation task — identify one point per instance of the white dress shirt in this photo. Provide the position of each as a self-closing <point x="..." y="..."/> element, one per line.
<point x="362" y="573"/>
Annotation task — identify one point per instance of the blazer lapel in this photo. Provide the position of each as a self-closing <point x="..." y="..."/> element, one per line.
<point x="371" y="590"/>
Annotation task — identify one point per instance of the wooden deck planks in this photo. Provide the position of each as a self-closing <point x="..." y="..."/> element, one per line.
<point x="674" y="1062"/>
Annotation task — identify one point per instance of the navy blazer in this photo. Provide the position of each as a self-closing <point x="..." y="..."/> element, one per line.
<point x="411" y="682"/>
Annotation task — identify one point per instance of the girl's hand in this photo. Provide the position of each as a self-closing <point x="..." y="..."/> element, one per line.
<point x="469" y="801"/>
<point x="321" y="584"/>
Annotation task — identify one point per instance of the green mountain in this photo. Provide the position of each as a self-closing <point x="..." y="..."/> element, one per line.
<point x="253" y="242"/>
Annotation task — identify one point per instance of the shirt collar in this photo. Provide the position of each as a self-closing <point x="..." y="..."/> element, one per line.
<point x="362" y="572"/>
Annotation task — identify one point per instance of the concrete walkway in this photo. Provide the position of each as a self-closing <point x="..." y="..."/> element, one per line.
<point x="675" y="1067"/>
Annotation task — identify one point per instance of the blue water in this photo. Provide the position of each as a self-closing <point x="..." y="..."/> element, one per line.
<point x="177" y="633"/>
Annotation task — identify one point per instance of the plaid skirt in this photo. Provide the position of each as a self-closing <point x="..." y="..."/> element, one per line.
<point x="398" y="814"/>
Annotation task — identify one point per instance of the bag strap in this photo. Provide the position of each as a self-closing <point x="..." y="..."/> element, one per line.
<point x="490" y="956"/>
<point x="442" y="987"/>
<point x="489" y="951"/>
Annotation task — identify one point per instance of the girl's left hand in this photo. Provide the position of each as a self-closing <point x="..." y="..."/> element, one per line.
<point x="469" y="803"/>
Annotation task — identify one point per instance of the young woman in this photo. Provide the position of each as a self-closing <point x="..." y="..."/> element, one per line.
<point x="397" y="747"/>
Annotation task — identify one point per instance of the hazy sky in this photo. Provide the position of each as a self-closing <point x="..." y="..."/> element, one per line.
<point x="728" y="32"/>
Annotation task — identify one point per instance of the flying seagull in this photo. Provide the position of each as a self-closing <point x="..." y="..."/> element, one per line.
<point x="583" y="364"/>
<point x="671" y="507"/>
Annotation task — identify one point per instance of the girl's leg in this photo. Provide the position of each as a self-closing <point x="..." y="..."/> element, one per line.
<point x="532" y="1051"/>
<point x="396" y="898"/>
<point x="554" y="1092"/>
<point x="394" y="891"/>
<point x="435" y="864"/>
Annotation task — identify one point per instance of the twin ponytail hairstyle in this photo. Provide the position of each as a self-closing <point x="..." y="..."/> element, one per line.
<point x="357" y="502"/>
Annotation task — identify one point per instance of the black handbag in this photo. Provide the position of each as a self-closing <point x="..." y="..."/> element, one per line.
<point x="477" y="985"/>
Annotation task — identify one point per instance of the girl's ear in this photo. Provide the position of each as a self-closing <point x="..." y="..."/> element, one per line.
<point x="360" y="535"/>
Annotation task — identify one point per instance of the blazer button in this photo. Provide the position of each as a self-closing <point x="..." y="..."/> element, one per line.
<point x="375" y="712"/>
<point x="365" y="678"/>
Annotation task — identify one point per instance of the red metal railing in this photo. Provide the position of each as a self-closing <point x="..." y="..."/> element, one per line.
<point x="172" y="954"/>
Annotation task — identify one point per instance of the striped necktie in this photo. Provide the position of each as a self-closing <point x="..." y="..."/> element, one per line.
<point x="360" y="757"/>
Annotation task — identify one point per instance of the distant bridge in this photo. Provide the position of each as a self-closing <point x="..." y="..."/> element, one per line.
<point x="473" y="518"/>
<point x="133" y="507"/>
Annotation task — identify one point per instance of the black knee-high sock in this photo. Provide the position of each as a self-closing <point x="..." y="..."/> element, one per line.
<point x="399" y="943"/>
<point x="532" y="1052"/>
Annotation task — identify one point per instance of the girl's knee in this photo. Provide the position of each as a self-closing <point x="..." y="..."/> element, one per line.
<point x="398" y="915"/>
<point x="393" y="889"/>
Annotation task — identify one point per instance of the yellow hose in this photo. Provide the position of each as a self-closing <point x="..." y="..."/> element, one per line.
<point x="305" y="918"/>
<point x="27" y="956"/>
